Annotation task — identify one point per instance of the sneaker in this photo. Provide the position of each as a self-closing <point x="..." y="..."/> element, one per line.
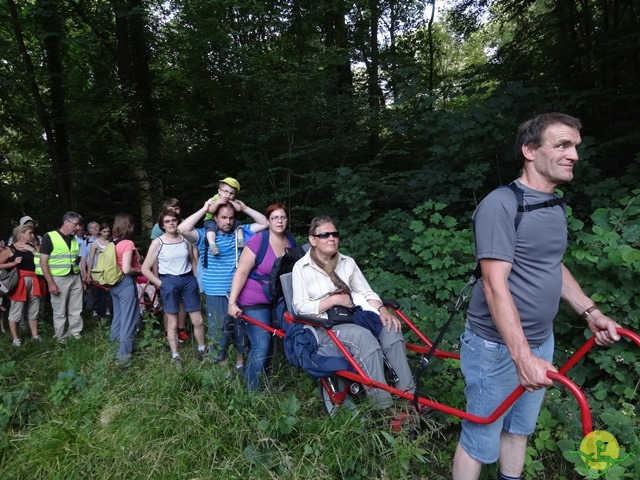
<point x="214" y="249"/>
<point x="108" y="314"/>
<point x="183" y="336"/>
<point x="94" y="315"/>
<point x="16" y="342"/>
<point x="37" y="338"/>
<point x="201" y="355"/>
<point x="177" y="361"/>
<point x="241" y="243"/>
<point x="124" y="362"/>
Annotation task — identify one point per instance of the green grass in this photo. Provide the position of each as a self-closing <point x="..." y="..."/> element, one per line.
<point x="69" y="411"/>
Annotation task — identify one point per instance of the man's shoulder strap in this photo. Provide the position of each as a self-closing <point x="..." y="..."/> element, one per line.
<point x="519" y="193"/>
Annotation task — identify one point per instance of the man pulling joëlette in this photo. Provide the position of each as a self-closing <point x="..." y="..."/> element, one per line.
<point x="508" y="339"/>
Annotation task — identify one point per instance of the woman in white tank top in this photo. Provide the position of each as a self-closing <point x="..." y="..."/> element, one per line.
<point x="176" y="281"/>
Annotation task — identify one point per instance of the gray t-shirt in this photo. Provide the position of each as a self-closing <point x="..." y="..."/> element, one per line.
<point x="535" y="252"/>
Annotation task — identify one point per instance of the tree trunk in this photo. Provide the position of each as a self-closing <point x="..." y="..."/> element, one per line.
<point x="54" y="124"/>
<point x="432" y="53"/>
<point x="337" y="40"/>
<point x="376" y="98"/>
<point x="142" y="130"/>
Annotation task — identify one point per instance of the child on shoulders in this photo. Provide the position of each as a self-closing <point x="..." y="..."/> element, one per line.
<point x="228" y="188"/>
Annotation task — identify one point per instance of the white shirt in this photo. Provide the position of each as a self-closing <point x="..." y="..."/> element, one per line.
<point x="311" y="284"/>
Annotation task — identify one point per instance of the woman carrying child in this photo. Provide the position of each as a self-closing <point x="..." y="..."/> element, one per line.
<point x="176" y="281"/>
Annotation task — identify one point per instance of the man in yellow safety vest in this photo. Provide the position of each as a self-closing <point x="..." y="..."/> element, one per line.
<point x="59" y="261"/>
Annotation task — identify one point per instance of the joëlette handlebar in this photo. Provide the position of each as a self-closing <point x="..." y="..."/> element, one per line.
<point x="587" y="425"/>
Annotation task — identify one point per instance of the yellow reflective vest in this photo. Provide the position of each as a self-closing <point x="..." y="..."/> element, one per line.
<point x="62" y="258"/>
<point x="36" y="260"/>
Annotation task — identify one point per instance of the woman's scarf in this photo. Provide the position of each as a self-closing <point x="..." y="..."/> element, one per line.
<point x="330" y="269"/>
<point x="363" y="318"/>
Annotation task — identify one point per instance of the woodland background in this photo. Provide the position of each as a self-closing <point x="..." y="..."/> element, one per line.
<point x="374" y="112"/>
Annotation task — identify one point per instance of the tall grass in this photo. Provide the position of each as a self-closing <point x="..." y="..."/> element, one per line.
<point x="69" y="411"/>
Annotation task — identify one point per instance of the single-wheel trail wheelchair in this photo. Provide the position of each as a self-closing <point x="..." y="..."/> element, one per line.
<point x="344" y="386"/>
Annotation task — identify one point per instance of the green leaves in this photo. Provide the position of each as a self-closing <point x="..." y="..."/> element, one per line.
<point x="68" y="384"/>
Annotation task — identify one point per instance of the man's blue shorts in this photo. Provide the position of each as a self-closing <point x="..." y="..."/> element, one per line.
<point x="490" y="377"/>
<point x="179" y="289"/>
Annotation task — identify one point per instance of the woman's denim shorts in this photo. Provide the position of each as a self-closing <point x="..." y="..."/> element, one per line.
<point x="177" y="289"/>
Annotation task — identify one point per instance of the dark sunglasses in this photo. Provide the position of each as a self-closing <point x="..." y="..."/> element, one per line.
<point x="325" y="235"/>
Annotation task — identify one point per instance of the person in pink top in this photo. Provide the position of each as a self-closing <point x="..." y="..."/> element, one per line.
<point x="126" y="314"/>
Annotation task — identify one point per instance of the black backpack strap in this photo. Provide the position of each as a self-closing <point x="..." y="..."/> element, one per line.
<point x="519" y="193"/>
<point x="548" y="204"/>
<point x="264" y="246"/>
<point x="262" y="251"/>
<point x="522" y="208"/>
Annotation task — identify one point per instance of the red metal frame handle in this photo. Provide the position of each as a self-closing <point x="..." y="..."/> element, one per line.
<point x="274" y="331"/>
<point x="585" y="412"/>
<point x="559" y="376"/>
<point x="582" y="351"/>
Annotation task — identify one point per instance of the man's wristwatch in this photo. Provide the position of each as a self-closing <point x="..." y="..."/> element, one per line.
<point x="585" y="315"/>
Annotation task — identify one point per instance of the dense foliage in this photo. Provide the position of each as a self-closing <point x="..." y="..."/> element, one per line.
<point x="392" y="122"/>
<point x="113" y="104"/>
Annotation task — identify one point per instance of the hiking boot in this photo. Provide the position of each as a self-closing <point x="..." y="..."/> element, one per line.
<point x="16" y="342"/>
<point x="177" y="361"/>
<point x="183" y="336"/>
<point x="214" y="249"/>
